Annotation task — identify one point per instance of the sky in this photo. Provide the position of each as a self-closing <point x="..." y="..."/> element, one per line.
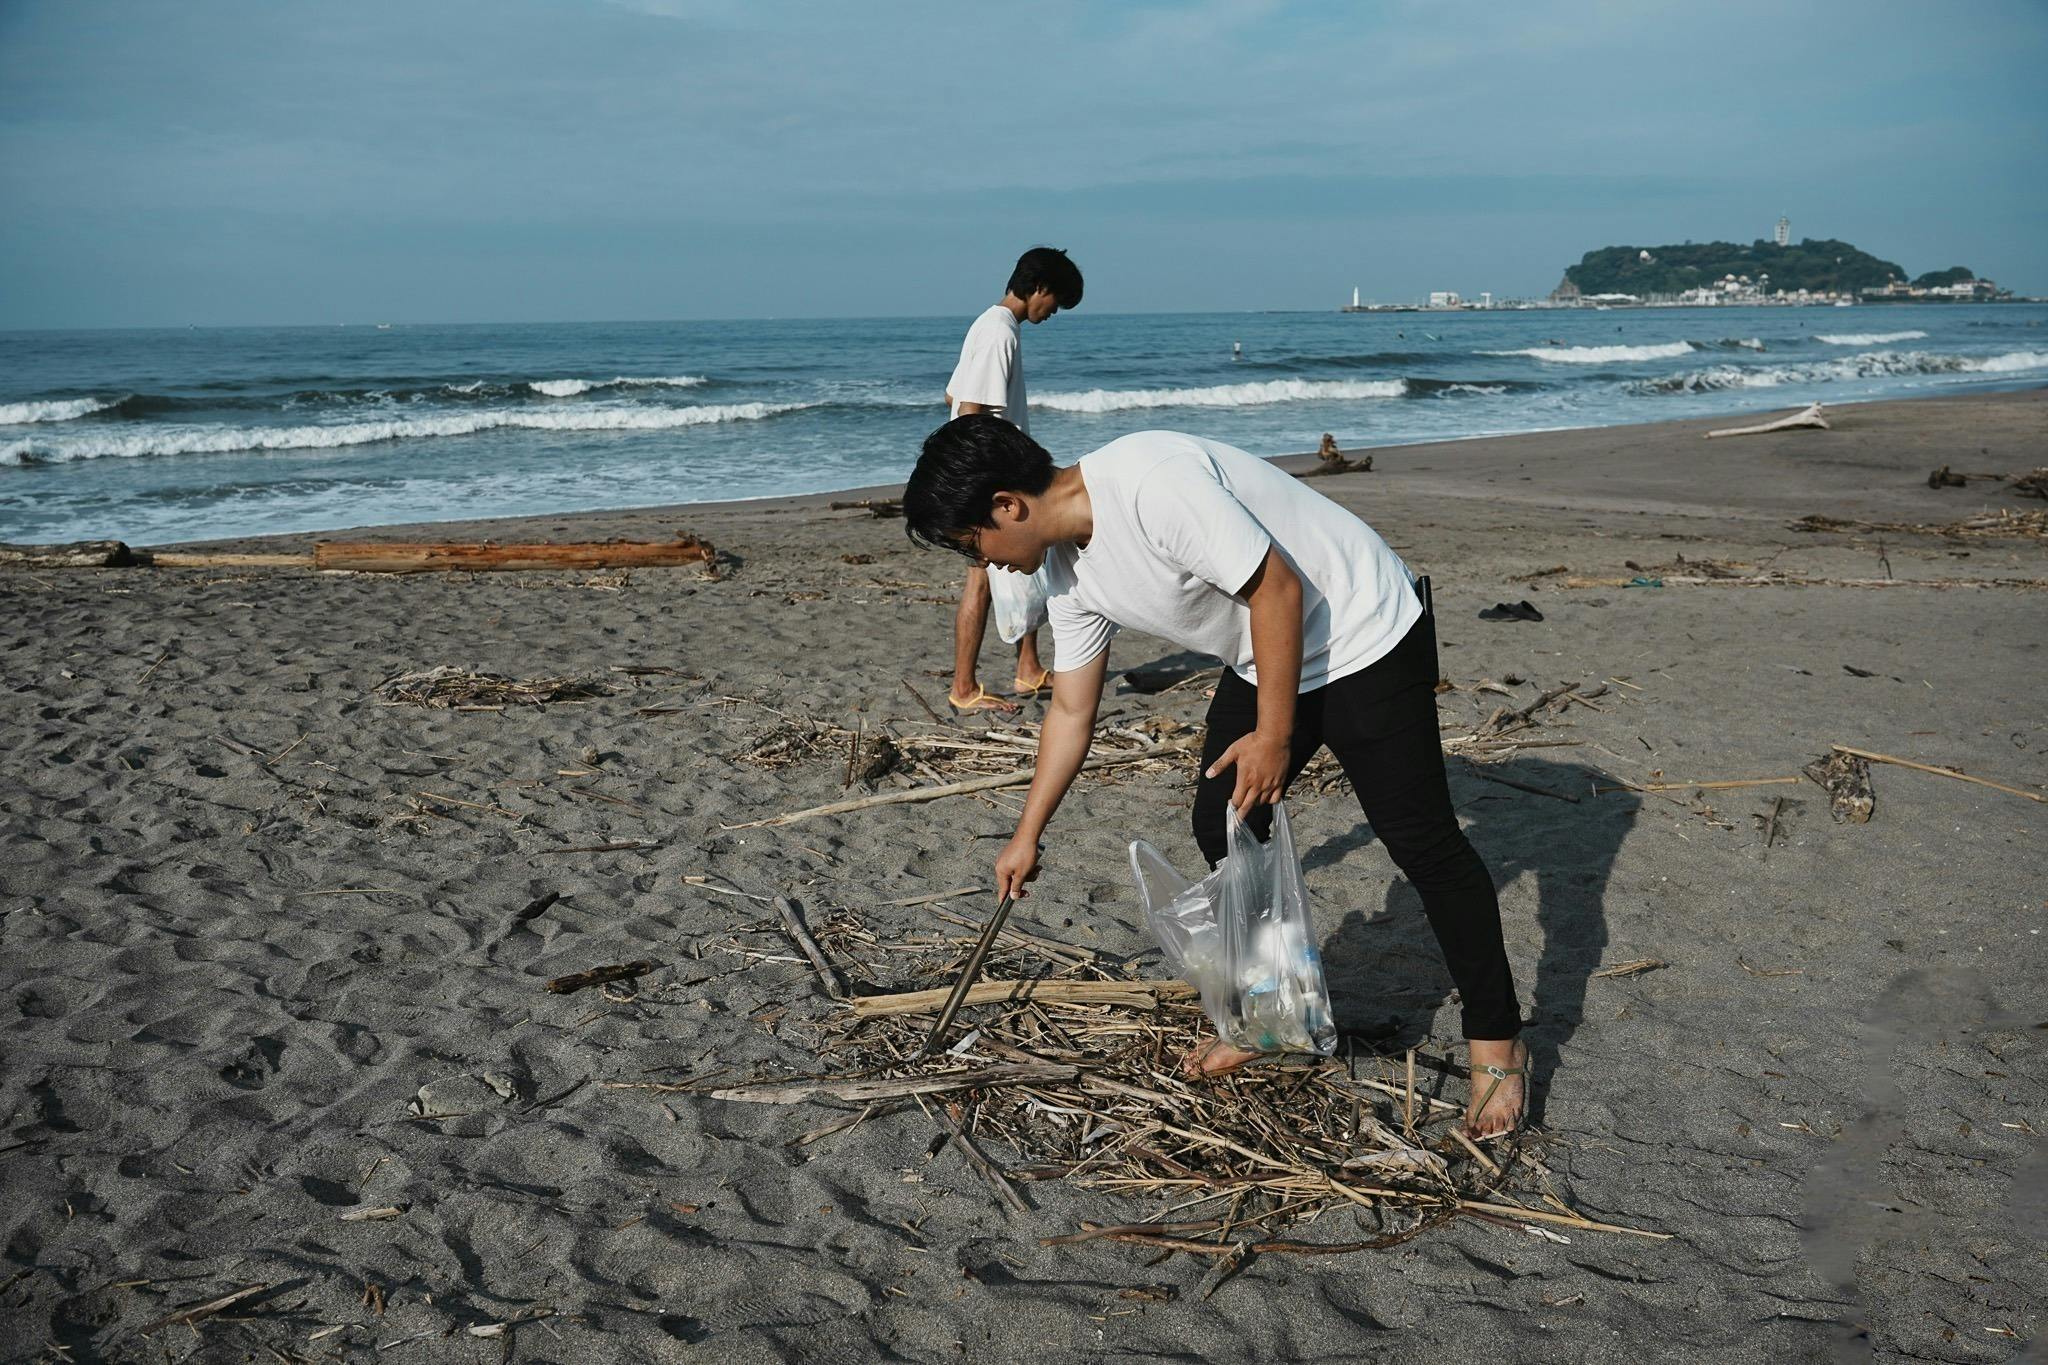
<point x="220" y="162"/>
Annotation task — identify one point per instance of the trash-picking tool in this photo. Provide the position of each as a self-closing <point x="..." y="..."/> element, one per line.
<point x="968" y="974"/>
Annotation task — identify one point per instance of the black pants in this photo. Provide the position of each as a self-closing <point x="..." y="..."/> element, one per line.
<point x="1381" y="724"/>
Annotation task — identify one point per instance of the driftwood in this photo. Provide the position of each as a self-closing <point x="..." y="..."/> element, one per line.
<point x="1727" y="785"/>
<point x="1140" y="995"/>
<point x="2000" y="522"/>
<point x="862" y="1092"/>
<point x="83" y="554"/>
<point x="198" y="559"/>
<point x="416" y="558"/>
<point x="793" y="922"/>
<point x="1806" y="417"/>
<point x="880" y="508"/>
<point x="203" y="1310"/>
<point x="973" y="784"/>
<point x="1868" y="755"/>
<point x="1331" y="460"/>
<point x="1792" y="581"/>
<point x="1846" y="779"/>
<point x="598" y="976"/>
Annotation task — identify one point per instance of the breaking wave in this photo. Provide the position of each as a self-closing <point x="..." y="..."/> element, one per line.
<point x="570" y="388"/>
<point x="1601" y="355"/>
<point x="1867" y="338"/>
<point x="1871" y="365"/>
<point x="1222" y="395"/>
<point x="192" y="440"/>
<point x="52" y="410"/>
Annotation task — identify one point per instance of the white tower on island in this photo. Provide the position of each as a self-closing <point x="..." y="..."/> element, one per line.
<point x="1783" y="236"/>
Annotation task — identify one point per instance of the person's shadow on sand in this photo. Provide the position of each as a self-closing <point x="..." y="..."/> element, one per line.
<point x="1385" y="973"/>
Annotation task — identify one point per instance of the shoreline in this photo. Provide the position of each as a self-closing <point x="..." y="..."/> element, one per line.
<point x="634" y="522"/>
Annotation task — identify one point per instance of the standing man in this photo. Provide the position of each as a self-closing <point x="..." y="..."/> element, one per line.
<point x="989" y="378"/>
<point x="1324" y="638"/>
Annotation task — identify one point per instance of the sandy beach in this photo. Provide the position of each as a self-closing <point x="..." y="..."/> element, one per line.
<point x="269" y="960"/>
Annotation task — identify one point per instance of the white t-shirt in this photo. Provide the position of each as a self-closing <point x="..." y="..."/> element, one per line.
<point x="991" y="368"/>
<point x="1182" y="523"/>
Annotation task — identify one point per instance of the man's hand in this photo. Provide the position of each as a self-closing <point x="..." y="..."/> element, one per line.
<point x="1016" y="865"/>
<point x="1261" y="762"/>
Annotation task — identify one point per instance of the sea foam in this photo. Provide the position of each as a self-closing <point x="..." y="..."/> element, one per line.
<point x="1867" y="338"/>
<point x="1870" y="365"/>
<point x="197" y="440"/>
<point x="52" y="410"/>
<point x="1601" y="355"/>
<point x="1221" y="395"/>
<point x="570" y="388"/>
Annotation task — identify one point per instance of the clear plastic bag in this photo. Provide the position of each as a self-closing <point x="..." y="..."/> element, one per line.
<point x="1242" y="937"/>
<point x="1018" y="600"/>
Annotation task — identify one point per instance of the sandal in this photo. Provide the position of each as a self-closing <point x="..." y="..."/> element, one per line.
<point x="1500" y="1074"/>
<point x="1031" y="689"/>
<point x="980" y="701"/>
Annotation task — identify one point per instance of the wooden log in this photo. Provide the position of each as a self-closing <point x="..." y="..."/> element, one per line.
<point x="195" y="559"/>
<point x="81" y="554"/>
<point x="862" y="1092"/>
<point x="1136" y="994"/>
<point x="417" y="558"/>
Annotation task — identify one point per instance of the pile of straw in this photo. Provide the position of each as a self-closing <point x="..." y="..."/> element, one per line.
<point x="1042" y="1085"/>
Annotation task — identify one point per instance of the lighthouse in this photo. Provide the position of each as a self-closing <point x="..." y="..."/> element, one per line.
<point x="1783" y="235"/>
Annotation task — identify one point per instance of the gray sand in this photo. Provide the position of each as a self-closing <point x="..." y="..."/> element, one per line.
<point x="1832" y="1094"/>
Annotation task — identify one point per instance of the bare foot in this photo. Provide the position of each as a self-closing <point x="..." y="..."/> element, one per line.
<point x="1498" y="1101"/>
<point x="1215" y="1057"/>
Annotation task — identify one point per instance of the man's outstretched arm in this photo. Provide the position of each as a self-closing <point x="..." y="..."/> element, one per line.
<point x="1062" y="747"/>
<point x="1274" y="594"/>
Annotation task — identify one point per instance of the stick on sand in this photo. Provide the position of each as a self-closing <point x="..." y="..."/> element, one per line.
<point x="972" y="784"/>
<point x="1938" y="772"/>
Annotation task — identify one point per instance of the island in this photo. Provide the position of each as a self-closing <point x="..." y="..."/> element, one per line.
<point x="1812" y="270"/>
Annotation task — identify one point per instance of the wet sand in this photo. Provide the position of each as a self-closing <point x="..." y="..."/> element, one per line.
<point x="265" y="967"/>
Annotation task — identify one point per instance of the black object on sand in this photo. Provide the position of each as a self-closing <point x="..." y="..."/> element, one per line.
<point x="1511" y="611"/>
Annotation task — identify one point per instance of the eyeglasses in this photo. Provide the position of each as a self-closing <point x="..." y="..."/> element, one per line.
<point x="970" y="544"/>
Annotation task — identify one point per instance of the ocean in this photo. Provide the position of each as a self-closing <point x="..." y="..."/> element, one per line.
<point x="162" y="436"/>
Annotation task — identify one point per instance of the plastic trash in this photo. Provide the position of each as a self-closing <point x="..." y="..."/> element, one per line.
<point x="1242" y="937"/>
<point x="1018" y="600"/>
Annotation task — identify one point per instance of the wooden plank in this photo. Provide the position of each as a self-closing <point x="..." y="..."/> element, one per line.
<point x="421" y="557"/>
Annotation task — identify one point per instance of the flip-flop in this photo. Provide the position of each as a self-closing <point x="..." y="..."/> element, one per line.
<point x="982" y="700"/>
<point x="1032" y="689"/>
<point x="1500" y="1074"/>
<point x="1511" y="611"/>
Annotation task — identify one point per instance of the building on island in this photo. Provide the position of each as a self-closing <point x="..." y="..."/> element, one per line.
<point x="1445" y="298"/>
<point x="1783" y="236"/>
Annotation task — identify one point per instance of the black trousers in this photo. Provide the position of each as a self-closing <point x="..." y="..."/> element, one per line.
<point x="1381" y="724"/>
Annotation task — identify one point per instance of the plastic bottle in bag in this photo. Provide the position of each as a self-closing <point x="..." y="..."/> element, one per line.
<point x="1242" y="937"/>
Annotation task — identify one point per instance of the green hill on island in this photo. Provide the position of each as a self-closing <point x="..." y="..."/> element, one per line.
<point x="1813" y="265"/>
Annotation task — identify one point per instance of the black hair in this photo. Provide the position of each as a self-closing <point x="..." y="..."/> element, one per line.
<point x="964" y="464"/>
<point x="1047" y="267"/>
